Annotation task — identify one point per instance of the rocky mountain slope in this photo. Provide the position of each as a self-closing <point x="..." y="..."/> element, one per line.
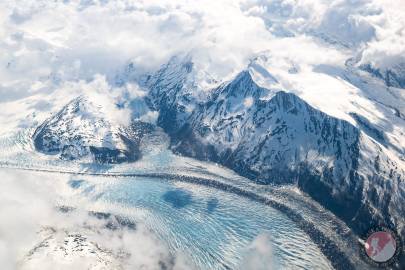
<point x="70" y="249"/>
<point x="271" y="136"/>
<point x="80" y="130"/>
<point x="394" y="76"/>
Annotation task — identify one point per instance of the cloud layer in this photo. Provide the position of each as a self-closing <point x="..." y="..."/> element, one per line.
<point x="54" y="42"/>
<point x="36" y="234"/>
<point x="30" y="215"/>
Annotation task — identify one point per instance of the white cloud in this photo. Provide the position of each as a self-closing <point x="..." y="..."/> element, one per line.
<point x="25" y="205"/>
<point x="75" y="40"/>
<point x="388" y="48"/>
<point x="259" y="254"/>
<point x="51" y="52"/>
<point x="29" y="206"/>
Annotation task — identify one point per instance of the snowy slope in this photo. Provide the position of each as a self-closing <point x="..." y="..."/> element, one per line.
<point x="275" y="122"/>
<point x="175" y="90"/>
<point x="272" y="136"/>
<point x="393" y="76"/>
<point x="65" y="249"/>
<point x="81" y="130"/>
<point x="343" y="91"/>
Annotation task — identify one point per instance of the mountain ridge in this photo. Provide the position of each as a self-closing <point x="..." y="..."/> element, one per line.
<point x="273" y="137"/>
<point x="334" y="161"/>
<point x="79" y="131"/>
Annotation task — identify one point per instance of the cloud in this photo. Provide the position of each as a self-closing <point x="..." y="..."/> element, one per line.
<point x="55" y="42"/>
<point x="30" y="216"/>
<point x="259" y="254"/>
<point x="69" y="47"/>
<point x="55" y="51"/>
<point x="78" y="39"/>
<point x="388" y="48"/>
<point x="72" y="40"/>
<point x="25" y="205"/>
<point x="35" y="234"/>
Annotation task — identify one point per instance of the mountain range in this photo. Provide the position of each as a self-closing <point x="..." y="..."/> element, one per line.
<point x="268" y="134"/>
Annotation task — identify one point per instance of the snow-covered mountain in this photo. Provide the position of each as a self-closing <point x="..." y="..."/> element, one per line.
<point x="394" y="76"/>
<point x="272" y="136"/>
<point x="65" y="249"/>
<point x="255" y="125"/>
<point x="176" y="89"/>
<point x="81" y="130"/>
<point x="84" y="246"/>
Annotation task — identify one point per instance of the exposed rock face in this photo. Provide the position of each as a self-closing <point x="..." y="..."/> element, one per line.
<point x="269" y="136"/>
<point x="80" y="130"/>
<point x="175" y="91"/>
<point x="394" y="76"/>
<point x="276" y="137"/>
<point x="63" y="249"/>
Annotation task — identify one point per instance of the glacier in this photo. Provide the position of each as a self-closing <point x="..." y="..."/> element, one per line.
<point x="277" y="137"/>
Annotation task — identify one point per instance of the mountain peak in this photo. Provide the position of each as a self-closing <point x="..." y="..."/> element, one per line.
<point x="243" y="86"/>
<point x="244" y="76"/>
<point x="81" y="130"/>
